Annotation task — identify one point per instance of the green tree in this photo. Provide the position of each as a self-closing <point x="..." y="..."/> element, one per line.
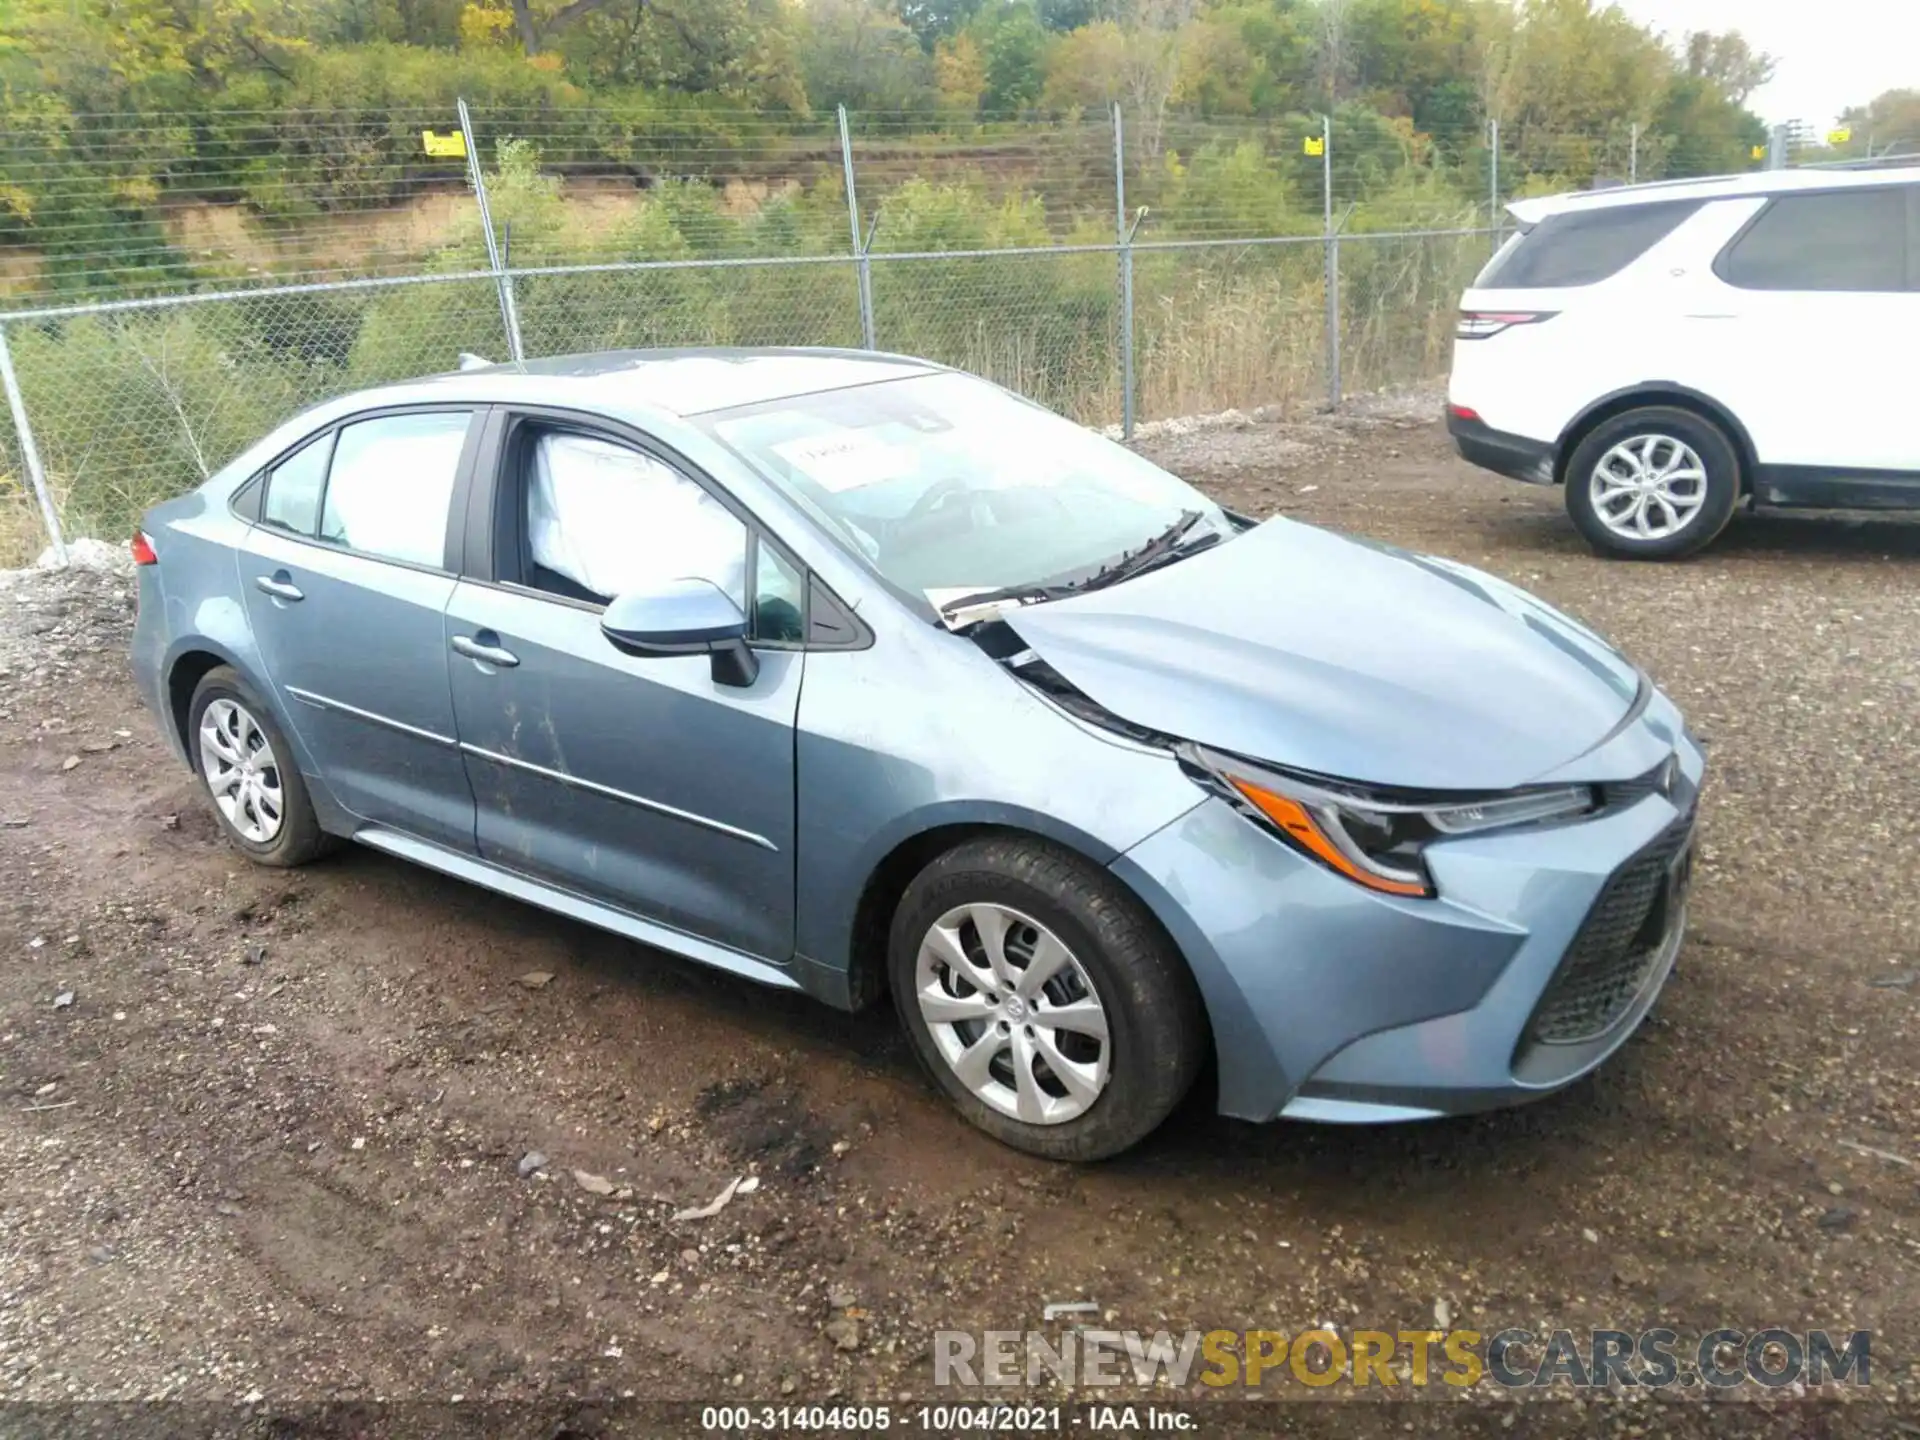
<point x="1013" y="45"/>
<point x="858" y="55"/>
<point x="1890" y="124"/>
<point x="740" y="48"/>
<point x="1062" y="16"/>
<point x="1406" y="57"/>
<point x="1265" y="50"/>
<point x="1727" y="62"/>
<point x="1699" y="130"/>
<point x="1085" y="70"/>
<point x="1565" y="82"/>
<point x="960" y="75"/>
<point x="935" y="20"/>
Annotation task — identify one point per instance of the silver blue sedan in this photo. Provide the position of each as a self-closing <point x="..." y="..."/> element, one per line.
<point x="851" y="674"/>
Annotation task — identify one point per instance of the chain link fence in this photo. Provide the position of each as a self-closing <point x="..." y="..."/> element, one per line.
<point x="1200" y="268"/>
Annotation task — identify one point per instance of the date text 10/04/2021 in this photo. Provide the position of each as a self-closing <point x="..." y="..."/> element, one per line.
<point x="946" y="1419"/>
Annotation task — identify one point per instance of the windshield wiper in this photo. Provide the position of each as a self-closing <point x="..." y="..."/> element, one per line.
<point x="1026" y="594"/>
<point x="1170" y="544"/>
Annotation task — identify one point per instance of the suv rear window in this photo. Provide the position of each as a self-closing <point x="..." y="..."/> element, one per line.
<point x="1583" y="247"/>
<point x="1836" y="240"/>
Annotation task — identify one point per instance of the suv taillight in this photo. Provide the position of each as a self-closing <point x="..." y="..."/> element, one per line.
<point x="1479" y="324"/>
<point x="143" y="551"/>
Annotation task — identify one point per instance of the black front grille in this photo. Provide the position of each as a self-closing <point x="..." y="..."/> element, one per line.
<point x="1610" y="959"/>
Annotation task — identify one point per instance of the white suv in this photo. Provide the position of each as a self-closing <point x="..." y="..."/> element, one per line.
<point x="1668" y="351"/>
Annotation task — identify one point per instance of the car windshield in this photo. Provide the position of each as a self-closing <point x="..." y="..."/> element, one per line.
<point x="950" y="486"/>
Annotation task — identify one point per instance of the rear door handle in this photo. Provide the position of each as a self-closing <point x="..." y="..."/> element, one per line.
<point x="468" y="646"/>
<point x="278" y="586"/>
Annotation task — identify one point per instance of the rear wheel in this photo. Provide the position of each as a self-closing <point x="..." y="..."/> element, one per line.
<point x="247" y="767"/>
<point x="1655" y="483"/>
<point x="1043" y="1000"/>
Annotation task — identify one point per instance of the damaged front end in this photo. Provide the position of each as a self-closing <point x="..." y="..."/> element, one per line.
<point x="994" y="635"/>
<point x="1431" y="703"/>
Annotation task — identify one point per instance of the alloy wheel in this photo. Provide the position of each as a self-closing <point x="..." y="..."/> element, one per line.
<point x="1648" y="487"/>
<point x="1013" y="1013"/>
<point x="241" y="771"/>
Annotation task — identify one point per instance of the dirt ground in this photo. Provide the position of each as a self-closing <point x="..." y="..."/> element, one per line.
<point x="273" y="1145"/>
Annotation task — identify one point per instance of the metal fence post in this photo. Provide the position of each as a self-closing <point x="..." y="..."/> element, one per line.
<point x="1777" y="146"/>
<point x="1493" y="180"/>
<point x="863" y="267"/>
<point x="29" y="452"/>
<point x="509" y="315"/>
<point x="1633" y="154"/>
<point x="1332" y="263"/>
<point x="1123" y="238"/>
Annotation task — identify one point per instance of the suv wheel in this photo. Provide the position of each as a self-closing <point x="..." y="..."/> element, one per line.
<point x="1653" y="484"/>
<point x="247" y="767"/>
<point x="1045" y="1003"/>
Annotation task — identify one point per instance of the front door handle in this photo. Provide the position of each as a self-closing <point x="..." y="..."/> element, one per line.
<point x="468" y="646"/>
<point x="278" y="585"/>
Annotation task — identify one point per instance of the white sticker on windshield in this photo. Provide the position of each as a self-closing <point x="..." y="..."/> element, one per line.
<point x="846" y="459"/>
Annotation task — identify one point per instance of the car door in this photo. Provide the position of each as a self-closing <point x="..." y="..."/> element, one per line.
<point x="1810" y="294"/>
<point x="644" y="783"/>
<point x="346" y="582"/>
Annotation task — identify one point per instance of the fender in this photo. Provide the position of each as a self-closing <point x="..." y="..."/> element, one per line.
<point x="213" y="625"/>
<point x="830" y="892"/>
<point x="1251" y="1082"/>
<point x="1653" y="391"/>
<point x="219" y="627"/>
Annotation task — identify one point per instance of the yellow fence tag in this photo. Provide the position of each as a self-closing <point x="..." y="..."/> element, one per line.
<point x="1315" y="145"/>
<point x="451" y="146"/>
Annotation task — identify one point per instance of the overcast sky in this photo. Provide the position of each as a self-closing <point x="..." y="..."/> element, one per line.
<point x="1831" y="54"/>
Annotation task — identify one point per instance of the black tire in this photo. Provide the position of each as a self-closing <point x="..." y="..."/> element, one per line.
<point x="299" y="838"/>
<point x="1708" y="441"/>
<point x="1157" y="1035"/>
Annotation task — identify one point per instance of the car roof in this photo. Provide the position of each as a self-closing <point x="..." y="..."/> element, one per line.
<point x="693" y="380"/>
<point x="1714" y="187"/>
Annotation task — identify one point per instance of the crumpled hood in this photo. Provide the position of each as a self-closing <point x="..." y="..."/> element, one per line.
<point x="1322" y="652"/>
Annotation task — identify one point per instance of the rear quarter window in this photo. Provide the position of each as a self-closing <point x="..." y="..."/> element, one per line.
<point x="294" y="486"/>
<point x="1583" y="247"/>
<point x="1834" y="240"/>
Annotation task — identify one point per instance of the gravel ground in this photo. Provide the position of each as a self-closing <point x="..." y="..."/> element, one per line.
<point x="314" y="1135"/>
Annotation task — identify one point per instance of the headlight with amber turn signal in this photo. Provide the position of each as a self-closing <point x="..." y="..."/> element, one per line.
<point x="1373" y="837"/>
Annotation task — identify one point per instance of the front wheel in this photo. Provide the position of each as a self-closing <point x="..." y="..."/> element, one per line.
<point x="1654" y="484"/>
<point x="1042" y="998"/>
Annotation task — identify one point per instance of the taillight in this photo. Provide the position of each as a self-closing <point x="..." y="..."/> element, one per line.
<point x="143" y="551"/>
<point x="1479" y="324"/>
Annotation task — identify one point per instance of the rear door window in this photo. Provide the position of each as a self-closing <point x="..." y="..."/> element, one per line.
<point x="1583" y="247"/>
<point x="1836" y="240"/>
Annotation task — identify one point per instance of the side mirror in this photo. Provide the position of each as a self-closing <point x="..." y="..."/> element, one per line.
<point x="684" y="617"/>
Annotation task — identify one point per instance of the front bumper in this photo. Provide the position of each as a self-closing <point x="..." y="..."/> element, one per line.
<point x="1331" y="1003"/>
<point x="1515" y="456"/>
